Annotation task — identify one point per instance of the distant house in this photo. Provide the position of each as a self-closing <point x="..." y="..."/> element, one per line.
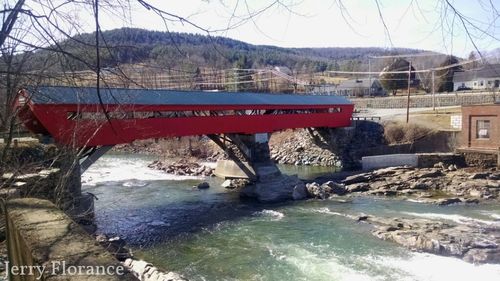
<point x="484" y="78"/>
<point x="325" y="89"/>
<point x="361" y="87"/>
<point x="283" y="69"/>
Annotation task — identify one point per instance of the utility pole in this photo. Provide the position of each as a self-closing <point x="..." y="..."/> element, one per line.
<point x="408" y="100"/>
<point x="433" y="91"/>
<point x="369" y="77"/>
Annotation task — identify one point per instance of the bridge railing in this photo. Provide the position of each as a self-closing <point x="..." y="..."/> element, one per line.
<point x="366" y="118"/>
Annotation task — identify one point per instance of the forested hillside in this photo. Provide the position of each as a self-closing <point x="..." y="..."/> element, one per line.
<point x="189" y="51"/>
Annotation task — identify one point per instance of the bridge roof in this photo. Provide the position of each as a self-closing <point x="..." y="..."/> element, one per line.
<point x="88" y="95"/>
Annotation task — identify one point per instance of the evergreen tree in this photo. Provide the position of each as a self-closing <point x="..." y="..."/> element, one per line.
<point x="395" y="81"/>
<point x="445" y="77"/>
<point x="243" y="76"/>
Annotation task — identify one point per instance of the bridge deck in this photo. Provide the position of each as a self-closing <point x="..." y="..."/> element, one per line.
<point x="76" y="116"/>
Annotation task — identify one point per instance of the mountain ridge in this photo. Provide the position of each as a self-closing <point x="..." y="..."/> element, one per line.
<point x="190" y="51"/>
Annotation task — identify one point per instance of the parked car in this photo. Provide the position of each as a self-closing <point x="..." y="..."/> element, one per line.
<point x="463" y="88"/>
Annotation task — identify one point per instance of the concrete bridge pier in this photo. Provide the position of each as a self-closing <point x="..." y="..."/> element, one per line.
<point x="68" y="195"/>
<point x="249" y="158"/>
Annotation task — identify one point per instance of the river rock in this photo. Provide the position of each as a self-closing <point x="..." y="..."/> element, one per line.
<point x="314" y="190"/>
<point x="419" y="185"/>
<point x="430" y="174"/>
<point x="476" y="176"/>
<point x="203" y="185"/>
<point x="299" y="192"/>
<point x="439" y="165"/>
<point x="356" y="179"/>
<point x="145" y="271"/>
<point x="335" y="188"/>
<point x="182" y="168"/>
<point x="448" y="201"/>
<point x="299" y="149"/>
<point x="325" y="190"/>
<point x="473" y="242"/>
<point x="227" y="184"/>
<point x="449" y="184"/>
<point x="495" y="176"/>
<point x="357" y="187"/>
<point x="481" y="255"/>
<point x="115" y="245"/>
<point x="235" y="183"/>
<point x="276" y="189"/>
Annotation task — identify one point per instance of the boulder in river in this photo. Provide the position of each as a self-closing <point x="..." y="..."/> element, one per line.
<point x="227" y="184"/>
<point x="115" y="245"/>
<point x="299" y="192"/>
<point x="235" y="183"/>
<point x="203" y="185"/>
<point x="335" y="188"/>
<point x="277" y="189"/>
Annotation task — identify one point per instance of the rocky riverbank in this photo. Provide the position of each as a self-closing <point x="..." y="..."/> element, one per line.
<point x="183" y="168"/>
<point x="297" y="148"/>
<point x="473" y="241"/>
<point x="141" y="269"/>
<point x="441" y="185"/>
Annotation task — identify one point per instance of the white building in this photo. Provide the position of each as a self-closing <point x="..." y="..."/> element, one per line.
<point x="484" y="78"/>
<point x="361" y="87"/>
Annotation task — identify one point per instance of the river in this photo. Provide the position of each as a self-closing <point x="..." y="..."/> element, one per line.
<point x="213" y="235"/>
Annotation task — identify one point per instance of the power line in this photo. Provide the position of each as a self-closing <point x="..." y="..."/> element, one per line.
<point x="405" y="72"/>
<point x="407" y="56"/>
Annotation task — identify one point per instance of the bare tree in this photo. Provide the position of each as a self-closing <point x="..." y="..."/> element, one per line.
<point x="51" y="27"/>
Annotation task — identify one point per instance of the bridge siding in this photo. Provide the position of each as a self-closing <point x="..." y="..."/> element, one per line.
<point x="102" y="132"/>
<point x="49" y="110"/>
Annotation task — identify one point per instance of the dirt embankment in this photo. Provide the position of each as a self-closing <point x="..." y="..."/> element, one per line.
<point x="186" y="148"/>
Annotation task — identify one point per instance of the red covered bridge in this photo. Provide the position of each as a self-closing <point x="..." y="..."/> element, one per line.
<point x="80" y="117"/>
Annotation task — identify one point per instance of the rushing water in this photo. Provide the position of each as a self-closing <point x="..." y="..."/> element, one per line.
<point x="213" y="235"/>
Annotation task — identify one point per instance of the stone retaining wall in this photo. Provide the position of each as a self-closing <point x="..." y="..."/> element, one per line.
<point x="39" y="234"/>
<point x="428" y="160"/>
<point x="455" y="99"/>
<point x="478" y="159"/>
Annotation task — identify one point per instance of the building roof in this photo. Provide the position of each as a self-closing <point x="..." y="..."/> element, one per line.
<point x="356" y="83"/>
<point x="283" y="69"/>
<point x="88" y="95"/>
<point x="487" y="71"/>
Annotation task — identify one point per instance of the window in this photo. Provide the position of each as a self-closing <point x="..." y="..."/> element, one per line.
<point x="483" y="129"/>
<point x="481" y="83"/>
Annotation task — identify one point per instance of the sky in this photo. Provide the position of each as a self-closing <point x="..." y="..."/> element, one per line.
<point x="421" y="24"/>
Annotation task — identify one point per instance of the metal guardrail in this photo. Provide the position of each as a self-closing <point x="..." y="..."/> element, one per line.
<point x="15" y="135"/>
<point x="366" y="118"/>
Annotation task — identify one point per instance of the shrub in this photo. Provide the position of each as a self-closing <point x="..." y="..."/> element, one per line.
<point x="403" y="133"/>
